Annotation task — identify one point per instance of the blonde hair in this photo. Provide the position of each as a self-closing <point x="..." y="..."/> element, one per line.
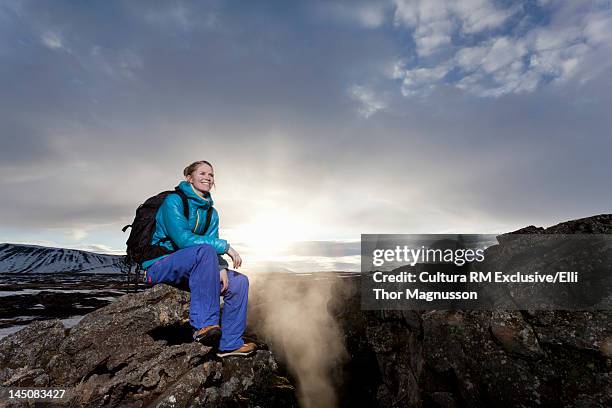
<point x="193" y="166"/>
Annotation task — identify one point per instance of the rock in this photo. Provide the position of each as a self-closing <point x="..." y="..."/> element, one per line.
<point x="34" y="346"/>
<point x="514" y="334"/>
<point x="544" y="252"/>
<point x="138" y="352"/>
<point x="523" y="358"/>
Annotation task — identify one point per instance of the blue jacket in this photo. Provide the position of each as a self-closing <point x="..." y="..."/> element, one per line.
<point x="171" y="223"/>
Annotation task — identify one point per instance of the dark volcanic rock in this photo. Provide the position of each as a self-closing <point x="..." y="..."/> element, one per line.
<point x="598" y="224"/>
<point x="480" y="358"/>
<point x="138" y="352"/>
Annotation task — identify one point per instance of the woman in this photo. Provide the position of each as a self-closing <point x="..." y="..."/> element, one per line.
<point x="197" y="262"/>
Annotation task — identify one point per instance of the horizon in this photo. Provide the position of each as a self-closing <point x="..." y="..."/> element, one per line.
<point x="332" y="254"/>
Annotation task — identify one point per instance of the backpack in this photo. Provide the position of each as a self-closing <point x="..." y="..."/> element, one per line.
<point x="139" y="247"/>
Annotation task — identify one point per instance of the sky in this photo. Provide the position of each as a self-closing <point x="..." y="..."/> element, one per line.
<point x="324" y="120"/>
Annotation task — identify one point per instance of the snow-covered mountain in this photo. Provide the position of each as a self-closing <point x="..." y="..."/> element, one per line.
<point x="17" y="258"/>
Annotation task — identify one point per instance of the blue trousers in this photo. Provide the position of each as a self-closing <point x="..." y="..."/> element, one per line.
<point x="199" y="267"/>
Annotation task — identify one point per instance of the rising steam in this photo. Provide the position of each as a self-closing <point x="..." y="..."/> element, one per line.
<point x="292" y="315"/>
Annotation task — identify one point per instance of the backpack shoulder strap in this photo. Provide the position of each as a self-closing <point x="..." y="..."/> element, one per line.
<point x="185" y="202"/>
<point x="208" y="218"/>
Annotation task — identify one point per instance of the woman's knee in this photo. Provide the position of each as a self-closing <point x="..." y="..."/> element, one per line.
<point x="206" y="251"/>
<point x="239" y="281"/>
<point x="204" y="258"/>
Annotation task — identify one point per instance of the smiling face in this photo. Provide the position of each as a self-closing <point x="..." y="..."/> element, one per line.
<point x="202" y="178"/>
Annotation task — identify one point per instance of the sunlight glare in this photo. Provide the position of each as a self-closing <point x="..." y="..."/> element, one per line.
<point x="272" y="233"/>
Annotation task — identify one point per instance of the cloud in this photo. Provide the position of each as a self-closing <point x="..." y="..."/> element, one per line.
<point x="491" y="51"/>
<point x="51" y="40"/>
<point x="430" y="22"/>
<point x="184" y="16"/>
<point x="597" y="26"/>
<point x="99" y="249"/>
<point x="369" y="102"/>
<point x="117" y="64"/>
<point x="479" y="15"/>
<point x="434" y="22"/>
<point x="77" y="234"/>
<point x="89" y="134"/>
<point x="422" y="80"/>
<point x="367" y="14"/>
<point x="44" y="243"/>
<point x="371" y="15"/>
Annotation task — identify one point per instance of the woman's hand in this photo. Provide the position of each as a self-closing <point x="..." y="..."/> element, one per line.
<point x="224" y="280"/>
<point x="236" y="259"/>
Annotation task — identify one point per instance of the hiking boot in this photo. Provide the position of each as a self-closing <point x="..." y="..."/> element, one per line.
<point x="208" y="336"/>
<point x="246" y="350"/>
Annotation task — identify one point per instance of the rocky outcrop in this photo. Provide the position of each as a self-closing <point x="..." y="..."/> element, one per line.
<point x="480" y="358"/>
<point x="138" y="352"/>
<point x="483" y="359"/>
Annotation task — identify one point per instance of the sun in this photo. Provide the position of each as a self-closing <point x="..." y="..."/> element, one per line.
<point x="271" y="232"/>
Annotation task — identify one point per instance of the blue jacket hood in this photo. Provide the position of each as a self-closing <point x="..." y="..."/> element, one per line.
<point x="192" y="194"/>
